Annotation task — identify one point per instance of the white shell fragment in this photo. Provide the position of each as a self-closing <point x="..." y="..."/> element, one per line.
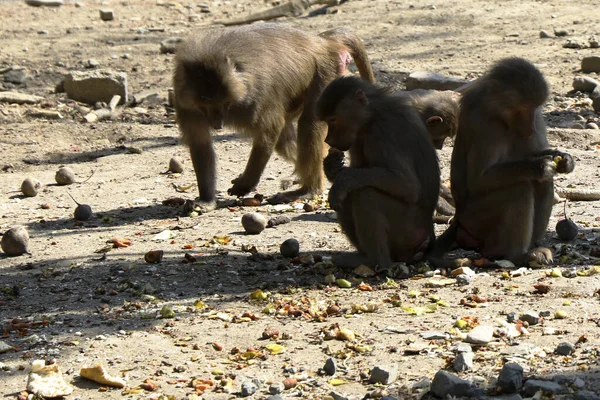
<point x="98" y="374"/>
<point x="47" y="380"/>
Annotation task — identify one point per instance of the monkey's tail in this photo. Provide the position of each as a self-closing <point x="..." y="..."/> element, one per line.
<point x="357" y="50"/>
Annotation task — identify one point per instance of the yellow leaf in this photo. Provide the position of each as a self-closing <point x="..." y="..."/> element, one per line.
<point x="225" y="239"/>
<point x="336" y="382"/>
<point x="275" y="348"/>
<point x="258" y="295"/>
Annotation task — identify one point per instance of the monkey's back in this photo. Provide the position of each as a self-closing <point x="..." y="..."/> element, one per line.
<point x="276" y="62"/>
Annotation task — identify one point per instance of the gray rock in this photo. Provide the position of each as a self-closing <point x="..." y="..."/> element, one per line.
<point x="276" y="388"/>
<point x="545" y="34"/>
<point x="433" y="335"/>
<point x="575" y="44"/>
<point x="561" y="32"/>
<point x="107" y="15"/>
<point x="94" y="86"/>
<point x="92" y="63"/>
<point x="330" y="366"/>
<point x="445" y="384"/>
<point x="511" y="317"/>
<point x="422" y="384"/>
<point x="545" y="314"/>
<point x="585" y="395"/>
<point x="388" y="398"/>
<point x="513" y="396"/>
<point x="481" y="334"/>
<point x="464" y="279"/>
<point x="534" y="385"/>
<point x="384" y="374"/>
<point x="463" y="362"/>
<point x="276" y="397"/>
<point x="463" y="347"/>
<point x="578" y="383"/>
<point x="169" y="45"/>
<point x="565" y="349"/>
<point x="15" y="75"/>
<point x="585" y="83"/>
<point x="510" y="379"/>
<point x="432" y="80"/>
<point x="44" y="3"/>
<point x="148" y="96"/>
<point x="590" y="64"/>
<point x="531" y="317"/>
<point x="338" y="396"/>
<point x="248" y="388"/>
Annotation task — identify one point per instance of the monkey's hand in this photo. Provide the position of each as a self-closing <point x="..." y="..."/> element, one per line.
<point x="545" y="168"/>
<point x="565" y="164"/>
<point x="338" y="193"/>
<point x="333" y="164"/>
<point x="240" y="187"/>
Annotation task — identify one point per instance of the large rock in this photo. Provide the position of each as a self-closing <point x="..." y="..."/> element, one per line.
<point x="445" y="384"/>
<point x="433" y="80"/>
<point x="94" y="86"/>
<point x="384" y="374"/>
<point x="510" y="379"/>
<point x="590" y="64"/>
<point x="585" y="83"/>
<point x="532" y="386"/>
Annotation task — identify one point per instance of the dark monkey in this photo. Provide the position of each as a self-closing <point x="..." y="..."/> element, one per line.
<point x="502" y="167"/>
<point x="259" y="79"/>
<point x="439" y="112"/>
<point x="386" y="197"/>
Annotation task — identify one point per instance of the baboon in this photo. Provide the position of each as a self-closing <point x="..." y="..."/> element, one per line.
<point x="502" y="168"/>
<point x="386" y="197"/>
<point x="439" y="112"/>
<point x="259" y="79"/>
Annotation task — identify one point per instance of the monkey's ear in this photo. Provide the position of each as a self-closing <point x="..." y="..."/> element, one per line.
<point x="435" y="120"/>
<point x="360" y="95"/>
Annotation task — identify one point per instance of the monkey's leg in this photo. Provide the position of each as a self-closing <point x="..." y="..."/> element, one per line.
<point x="262" y="148"/>
<point x="287" y="143"/>
<point x="443" y="207"/>
<point x="309" y="165"/>
<point x="543" y="201"/>
<point x="345" y="217"/>
<point x="195" y="133"/>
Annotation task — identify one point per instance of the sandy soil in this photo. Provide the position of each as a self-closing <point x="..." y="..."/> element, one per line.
<point x="78" y="300"/>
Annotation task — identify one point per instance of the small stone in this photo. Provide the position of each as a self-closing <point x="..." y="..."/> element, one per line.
<point x="330" y="366"/>
<point x="15" y="241"/>
<point x="422" y="384"/>
<point x="463" y="271"/>
<point x="83" y="212"/>
<point x="107" y="15"/>
<point x="463" y="347"/>
<point x="591" y="125"/>
<point x="578" y="383"/>
<point x="545" y="314"/>
<point x="384" y="374"/>
<point x="463" y="362"/>
<point x="532" y="386"/>
<point x="276" y="397"/>
<point x="248" y="388"/>
<point x="254" y="223"/>
<point x="596" y="104"/>
<point x="289" y="248"/>
<point x="64" y="176"/>
<point x="505" y="264"/>
<point x="561" y="32"/>
<point x="432" y="80"/>
<point x="511" y="317"/>
<point x="147" y="96"/>
<point x="445" y="384"/>
<point x="175" y="165"/>
<point x="276" y="388"/>
<point x="30" y="187"/>
<point x="590" y="64"/>
<point x="565" y="349"/>
<point x="5" y="347"/>
<point x="585" y="395"/>
<point x="545" y="34"/>
<point x="44" y="3"/>
<point x="481" y="334"/>
<point x="585" y="83"/>
<point x="531" y="317"/>
<point x="433" y="335"/>
<point x="16" y="76"/>
<point x="338" y="396"/>
<point x="575" y="44"/>
<point x="464" y="279"/>
<point x="510" y="379"/>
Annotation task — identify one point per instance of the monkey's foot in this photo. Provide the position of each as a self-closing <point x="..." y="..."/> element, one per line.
<point x="540" y="256"/>
<point x="241" y="187"/>
<point x="198" y="206"/>
<point x="349" y="260"/>
<point x="288" y="197"/>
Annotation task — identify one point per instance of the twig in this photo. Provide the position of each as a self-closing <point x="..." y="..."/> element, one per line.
<point x="579" y="194"/>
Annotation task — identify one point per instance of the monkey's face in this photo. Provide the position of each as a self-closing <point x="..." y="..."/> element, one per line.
<point x="339" y="136"/>
<point x="522" y="120"/>
<point x="215" y="115"/>
<point x="438" y="130"/>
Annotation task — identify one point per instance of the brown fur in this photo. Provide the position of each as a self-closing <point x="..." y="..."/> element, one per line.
<point x="502" y="166"/>
<point x="258" y="79"/>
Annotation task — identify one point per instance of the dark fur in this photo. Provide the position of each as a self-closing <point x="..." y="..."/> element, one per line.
<point x="386" y="197"/>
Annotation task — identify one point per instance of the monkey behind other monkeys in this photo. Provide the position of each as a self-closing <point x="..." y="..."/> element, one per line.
<point x="259" y="79"/>
<point x="502" y="167"/>
<point x="386" y="197"/>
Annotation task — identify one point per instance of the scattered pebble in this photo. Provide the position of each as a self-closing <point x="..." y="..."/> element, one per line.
<point x="590" y="64"/>
<point x="330" y="366"/>
<point x="585" y="395"/>
<point x="107" y="15"/>
<point x="98" y="374"/>
<point x="290" y="248"/>
<point x="384" y="374"/>
<point x="510" y="379"/>
<point x="545" y="34"/>
<point x="445" y="384"/>
<point x="64" y="176"/>
<point x="531" y="317"/>
<point x="464" y="279"/>
<point x="248" y="388"/>
<point x="565" y="349"/>
<point x="532" y="386"/>
<point x="254" y="223"/>
<point x="276" y="388"/>
<point x="15" y="241"/>
<point x="463" y="362"/>
<point x="585" y="83"/>
<point x="481" y="334"/>
<point x="561" y="32"/>
<point x="30" y="187"/>
<point x="432" y="80"/>
<point x="175" y="165"/>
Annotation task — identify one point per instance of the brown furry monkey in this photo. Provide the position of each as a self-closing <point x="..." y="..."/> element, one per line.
<point x="386" y="197"/>
<point x="259" y="79"/>
<point x="502" y="167"/>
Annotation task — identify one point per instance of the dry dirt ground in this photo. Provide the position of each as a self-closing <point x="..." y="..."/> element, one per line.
<point x="79" y="301"/>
